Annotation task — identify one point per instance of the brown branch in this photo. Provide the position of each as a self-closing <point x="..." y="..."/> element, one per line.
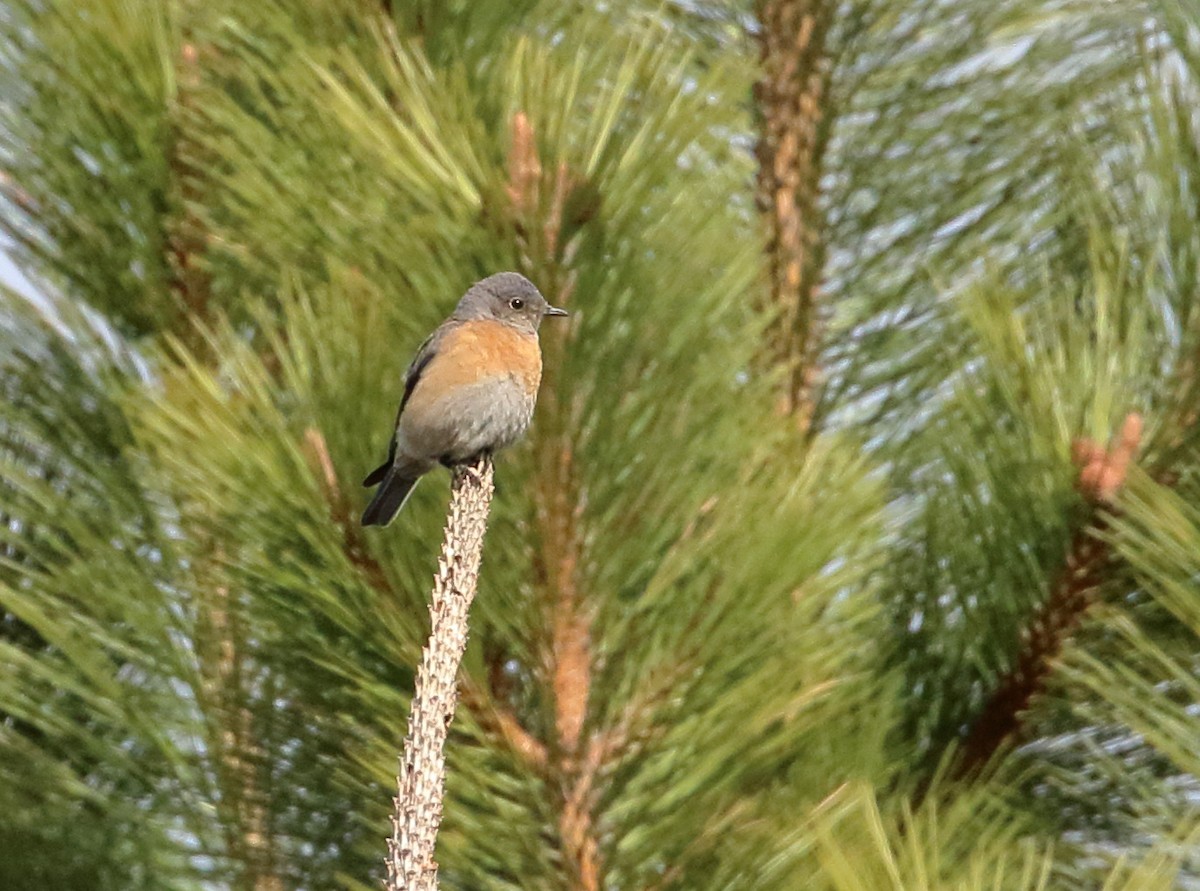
<point x="575" y="820"/>
<point x="341" y="512"/>
<point x="1088" y="562"/>
<point x="570" y="651"/>
<point x="556" y="501"/>
<point x="569" y="657"/>
<point x="502" y="723"/>
<point x="791" y="94"/>
<point x="541" y="214"/>
<point x="186" y="237"/>
<point x="421" y="780"/>
<point x="1000" y="722"/>
<point x="524" y="169"/>
<point x="570" y="671"/>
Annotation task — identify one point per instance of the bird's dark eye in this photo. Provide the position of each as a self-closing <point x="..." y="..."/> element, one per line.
<point x="516" y="303"/>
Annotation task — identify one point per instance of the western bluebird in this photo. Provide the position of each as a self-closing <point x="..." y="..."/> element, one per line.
<point x="471" y="388"/>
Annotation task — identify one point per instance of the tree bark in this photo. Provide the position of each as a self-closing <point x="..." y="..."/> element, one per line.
<point x="791" y="95"/>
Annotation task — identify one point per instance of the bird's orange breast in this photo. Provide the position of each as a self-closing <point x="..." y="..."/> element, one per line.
<point x="476" y="351"/>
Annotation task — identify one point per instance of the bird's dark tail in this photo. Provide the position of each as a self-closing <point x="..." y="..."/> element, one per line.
<point x="389" y="498"/>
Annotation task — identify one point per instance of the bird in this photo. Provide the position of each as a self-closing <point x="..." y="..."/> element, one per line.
<point x="470" y="389"/>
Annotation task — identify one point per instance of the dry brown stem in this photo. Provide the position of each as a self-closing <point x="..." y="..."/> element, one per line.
<point x="1102" y="473"/>
<point x="422" y="776"/>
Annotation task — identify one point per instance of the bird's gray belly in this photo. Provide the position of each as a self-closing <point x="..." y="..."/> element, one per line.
<point x="487" y="415"/>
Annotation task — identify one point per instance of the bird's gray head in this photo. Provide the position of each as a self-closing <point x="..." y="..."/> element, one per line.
<point x="506" y="297"/>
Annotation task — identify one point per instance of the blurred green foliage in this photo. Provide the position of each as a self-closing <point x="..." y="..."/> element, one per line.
<point x="243" y="218"/>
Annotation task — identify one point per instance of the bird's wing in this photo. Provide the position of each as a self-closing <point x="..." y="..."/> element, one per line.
<point x="420" y="362"/>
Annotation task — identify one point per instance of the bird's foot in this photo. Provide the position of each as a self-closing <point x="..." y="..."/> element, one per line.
<point x="466" y="465"/>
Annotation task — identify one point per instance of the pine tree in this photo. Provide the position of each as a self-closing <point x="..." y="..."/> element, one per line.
<point x="926" y="621"/>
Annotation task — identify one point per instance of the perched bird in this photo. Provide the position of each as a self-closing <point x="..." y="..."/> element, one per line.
<point x="471" y="388"/>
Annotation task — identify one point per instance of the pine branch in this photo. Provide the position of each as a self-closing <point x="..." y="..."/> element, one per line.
<point x="537" y="210"/>
<point x="792" y="94"/>
<point x="1088" y="561"/>
<point x="422" y="776"/>
<point x="186" y="237"/>
<point x="503" y="724"/>
<point x="1001" y="720"/>
<point x="355" y="549"/>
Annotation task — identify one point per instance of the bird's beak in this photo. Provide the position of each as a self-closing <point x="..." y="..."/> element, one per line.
<point x="555" y="311"/>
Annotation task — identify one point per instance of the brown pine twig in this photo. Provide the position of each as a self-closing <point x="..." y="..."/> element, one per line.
<point x="544" y="205"/>
<point x="502" y="724"/>
<point x="316" y="451"/>
<point x="422" y="776"/>
<point x="1102" y="473"/>
<point x="791" y="96"/>
<point x="556" y="506"/>
<point x="187" y="237"/>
